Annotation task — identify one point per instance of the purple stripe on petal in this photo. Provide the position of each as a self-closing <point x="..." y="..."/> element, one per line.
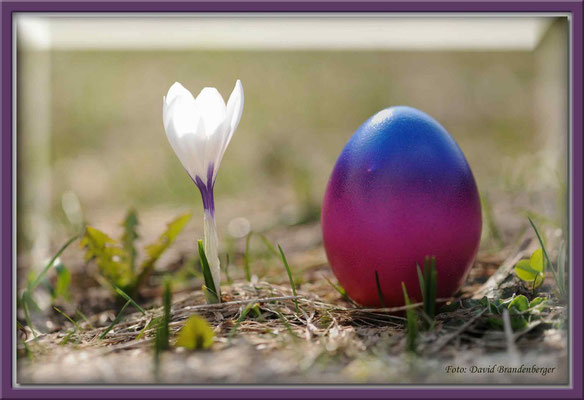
<point x="207" y="190"/>
<point x="210" y="171"/>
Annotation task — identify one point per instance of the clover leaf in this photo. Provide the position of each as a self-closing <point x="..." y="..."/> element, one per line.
<point x="531" y="270"/>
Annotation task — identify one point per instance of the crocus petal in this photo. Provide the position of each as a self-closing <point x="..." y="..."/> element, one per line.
<point x="177" y="90"/>
<point x="211" y="107"/>
<point x="175" y="141"/>
<point x="199" y="129"/>
<point x="192" y="153"/>
<point x="181" y="116"/>
<point x="232" y="118"/>
<point x="215" y="146"/>
<point x="181" y="142"/>
<point x="235" y="107"/>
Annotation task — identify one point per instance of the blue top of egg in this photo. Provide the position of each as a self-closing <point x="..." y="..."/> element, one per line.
<point x="403" y="146"/>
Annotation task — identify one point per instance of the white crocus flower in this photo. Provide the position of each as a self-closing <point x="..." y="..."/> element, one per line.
<point x="199" y="130"/>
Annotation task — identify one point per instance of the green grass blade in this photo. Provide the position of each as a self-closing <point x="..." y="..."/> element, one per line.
<point x="246" y="258"/>
<point x="163" y="334"/>
<point x="210" y="295"/>
<point x="146" y="327"/>
<point x="412" y="328"/>
<point x="160" y="344"/>
<point x="116" y="320"/>
<point x="78" y="311"/>
<point x="20" y="327"/>
<point x="427" y="278"/>
<point x="545" y="253"/>
<point x="129" y="237"/>
<point x="287" y="325"/>
<point x="67" y="337"/>
<point x="290" y="278"/>
<point x="209" y="287"/>
<point x="379" y="293"/>
<point x="269" y="245"/>
<point x="539" y="238"/>
<point x="61" y="288"/>
<point x="427" y="269"/>
<point x="421" y="282"/>
<point x="40" y="276"/>
<point x="432" y="285"/>
<point x="428" y="288"/>
<point x="489" y="218"/>
<point x="27" y="350"/>
<point x="534" y="287"/>
<point x="341" y="291"/>
<point x="26" y="308"/>
<point x="228" y="279"/>
<point x="128" y="298"/>
<point x="242" y="316"/>
<point x="562" y="270"/>
<point x="68" y="317"/>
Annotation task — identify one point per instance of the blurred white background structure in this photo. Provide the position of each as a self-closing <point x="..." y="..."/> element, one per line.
<point x="274" y="32"/>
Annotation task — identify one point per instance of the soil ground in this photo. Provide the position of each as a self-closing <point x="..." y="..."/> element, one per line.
<point x="330" y="340"/>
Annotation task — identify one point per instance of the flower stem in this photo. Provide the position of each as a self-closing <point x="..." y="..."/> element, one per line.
<point x="210" y="243"/>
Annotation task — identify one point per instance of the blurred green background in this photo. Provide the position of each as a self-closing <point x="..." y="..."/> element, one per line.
<point x="107" y="151"/>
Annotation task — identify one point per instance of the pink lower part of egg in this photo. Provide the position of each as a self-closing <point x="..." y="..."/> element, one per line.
<point x="393" y="236"/>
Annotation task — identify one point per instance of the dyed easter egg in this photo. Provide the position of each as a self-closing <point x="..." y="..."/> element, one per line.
<point x="401" y="190"/>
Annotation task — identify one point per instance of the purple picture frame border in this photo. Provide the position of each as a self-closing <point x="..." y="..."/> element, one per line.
<point x="242" y="392"/>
